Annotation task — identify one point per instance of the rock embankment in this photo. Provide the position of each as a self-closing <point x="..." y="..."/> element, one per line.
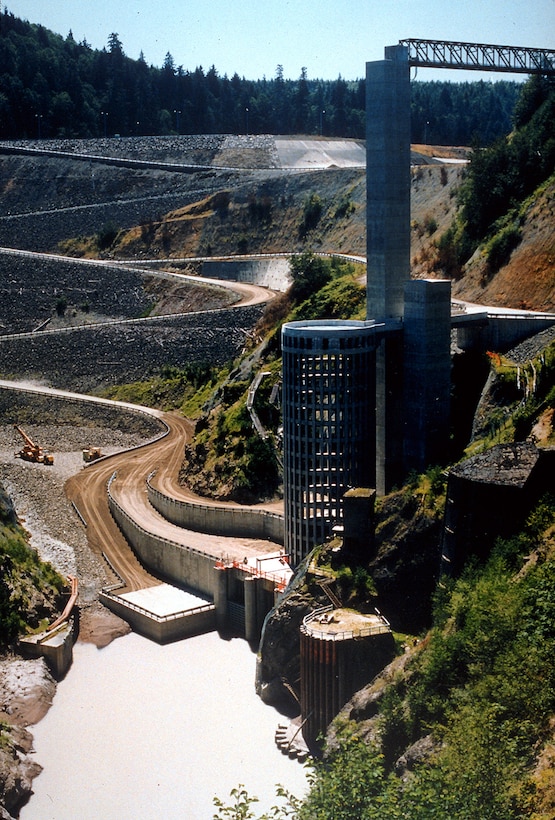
<point x="39" y="291"/>
<point x="95" y="356"/>
<point x="34" y="290"/>
<point x="47" y="198"/>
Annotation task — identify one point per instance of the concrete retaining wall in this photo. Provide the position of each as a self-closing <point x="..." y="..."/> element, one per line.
<point x="225" y="521"/>
<point x="55" y="647"/>
<point x="162" y="630"/>
<point x="501" y="332"/>
<point x="269" y="273"/>
<point x="182" y="564"/>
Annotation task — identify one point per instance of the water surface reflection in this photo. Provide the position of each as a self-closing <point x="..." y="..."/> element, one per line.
<point x="140" y="731"/>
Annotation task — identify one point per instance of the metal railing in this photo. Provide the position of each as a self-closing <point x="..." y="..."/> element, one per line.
<point x="310" y="628"/>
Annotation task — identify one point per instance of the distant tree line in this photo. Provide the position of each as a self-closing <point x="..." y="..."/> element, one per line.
<point x="51" y="87"/>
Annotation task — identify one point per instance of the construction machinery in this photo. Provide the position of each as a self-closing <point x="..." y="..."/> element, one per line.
<point x="91" y="454"/>
<point x="31" y="451"/>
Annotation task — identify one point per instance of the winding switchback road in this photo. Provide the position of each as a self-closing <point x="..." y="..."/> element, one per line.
<point x="87" y="490"/>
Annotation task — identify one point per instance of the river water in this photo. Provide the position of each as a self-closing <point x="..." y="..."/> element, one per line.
<point x="140" y="731"/>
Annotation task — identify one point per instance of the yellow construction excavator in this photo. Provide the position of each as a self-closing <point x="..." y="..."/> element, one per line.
<point x="91" y="454"/>
<point x="31" y="451"/>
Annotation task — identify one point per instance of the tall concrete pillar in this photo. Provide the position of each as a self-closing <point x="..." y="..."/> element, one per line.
<point x="388" y="183"/>
<point x="388" y="244"/>
<point x="220" y="597"/>
<point x="251" y="621"/>
<point x="427" y="373"/>
<point x="389" y="412"/>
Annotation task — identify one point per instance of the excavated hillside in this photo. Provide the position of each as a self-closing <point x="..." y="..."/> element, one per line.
<point x="528" y="280"/>
<point x="241" y="200"/>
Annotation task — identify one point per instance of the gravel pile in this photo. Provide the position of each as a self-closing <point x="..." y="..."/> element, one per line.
<point x="64" y="429"/>
<point x="531" y="347"/>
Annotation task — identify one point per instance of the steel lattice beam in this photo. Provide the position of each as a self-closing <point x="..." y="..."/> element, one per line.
<point x="480" y="57"/>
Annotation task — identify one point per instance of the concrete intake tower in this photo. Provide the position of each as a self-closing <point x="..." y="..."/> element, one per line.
<point x="366" y="402"/>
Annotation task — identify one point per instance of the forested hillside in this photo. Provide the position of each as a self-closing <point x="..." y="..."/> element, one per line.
<point x="500" y="246"/>
<point x="59" y="88"/>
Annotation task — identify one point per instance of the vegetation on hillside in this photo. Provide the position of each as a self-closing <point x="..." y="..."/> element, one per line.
<point x="176" y="388"/>
<point x="56" y="87"/>
<point x="30" y="589"/>
<point x="518" y="397"/>
<point x="227" y="458"/>
<point x="499" y="181"/>
<point x="474" y="704"/>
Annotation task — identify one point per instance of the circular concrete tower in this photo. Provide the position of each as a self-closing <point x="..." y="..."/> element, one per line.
<point x="341" y="650"/>
<point x="329" y="420"/>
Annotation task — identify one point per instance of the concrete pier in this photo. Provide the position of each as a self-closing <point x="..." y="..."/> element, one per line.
<point x="340" y="651"/>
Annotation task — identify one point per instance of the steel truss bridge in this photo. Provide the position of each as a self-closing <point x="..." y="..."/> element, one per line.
<point x="479" y="57"/>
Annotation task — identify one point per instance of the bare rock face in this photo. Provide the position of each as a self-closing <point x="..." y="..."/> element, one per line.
<point x="416" y="754"/>
<point x="26" y="692"/>
<point x="17" y="772"/>
<point x="278" y="665"/>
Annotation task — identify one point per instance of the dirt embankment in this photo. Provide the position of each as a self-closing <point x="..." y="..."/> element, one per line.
<point x="528" y="279"/>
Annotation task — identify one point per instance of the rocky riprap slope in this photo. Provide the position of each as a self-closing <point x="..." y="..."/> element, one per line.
<point x="50" y="198"/>
<point x="67" y="293"/>
<point x="31" y="290"/>
<point x="88" y="358"/>
<point x="215" y="150"/>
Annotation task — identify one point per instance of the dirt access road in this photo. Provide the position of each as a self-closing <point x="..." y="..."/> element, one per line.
<point x="88" y="492"/>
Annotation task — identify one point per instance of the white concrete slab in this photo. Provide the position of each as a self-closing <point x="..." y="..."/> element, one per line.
<point x="321" y="153"/>
<point x="272" y="565"/>
<point x="164" y="600"/>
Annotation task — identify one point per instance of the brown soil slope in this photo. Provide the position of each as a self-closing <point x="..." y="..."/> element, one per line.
<point x="528" y="280"/>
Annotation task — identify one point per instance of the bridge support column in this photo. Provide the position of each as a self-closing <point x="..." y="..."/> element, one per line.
<point x="251" y="621"/>
<point x="220" y="597"/>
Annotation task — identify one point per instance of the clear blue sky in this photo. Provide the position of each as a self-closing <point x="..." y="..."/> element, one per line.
<point x="329" y="37"/>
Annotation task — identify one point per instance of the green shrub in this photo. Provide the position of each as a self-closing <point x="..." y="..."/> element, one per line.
<point x="309" y="274"/>
<point x="499" y="249"/>
<point x="106" y="236"/>
<point x="312" y="211"/>
<point x="345" y="207"/>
